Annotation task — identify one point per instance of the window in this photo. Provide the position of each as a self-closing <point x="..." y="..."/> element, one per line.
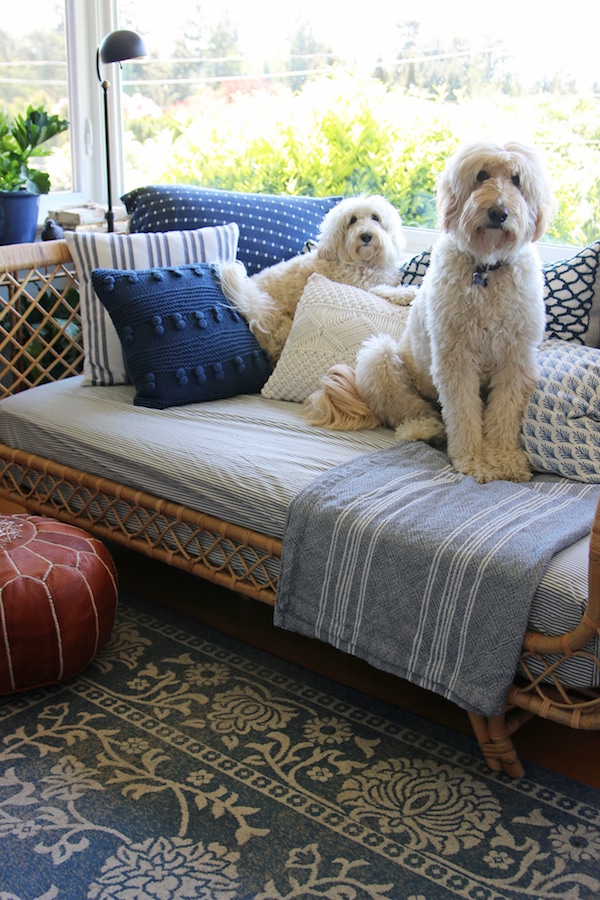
<point x="269" y="96"/>
<point x="47" y="57"/>
<point x="33" y="71"/>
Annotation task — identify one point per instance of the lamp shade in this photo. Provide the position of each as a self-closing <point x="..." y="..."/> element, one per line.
<point x="120" y="45"/>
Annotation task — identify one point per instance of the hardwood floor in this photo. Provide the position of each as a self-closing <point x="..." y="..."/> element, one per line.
<point x="565" y="750"/>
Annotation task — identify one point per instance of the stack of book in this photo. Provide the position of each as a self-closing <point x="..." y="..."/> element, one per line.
<point x="87" y="217"/>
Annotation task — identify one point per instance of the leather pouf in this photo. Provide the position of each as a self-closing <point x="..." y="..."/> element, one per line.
<point x="58" y="600"/>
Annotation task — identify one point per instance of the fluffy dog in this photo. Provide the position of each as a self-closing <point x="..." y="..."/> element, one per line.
<point x="466" y="364"/>
<point x="360" y="243"/>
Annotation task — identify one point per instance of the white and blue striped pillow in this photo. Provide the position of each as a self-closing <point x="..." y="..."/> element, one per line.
<point x="103" y="361"/>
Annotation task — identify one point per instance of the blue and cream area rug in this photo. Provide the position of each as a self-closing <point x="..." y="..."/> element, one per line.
<point x="183" y="764"/>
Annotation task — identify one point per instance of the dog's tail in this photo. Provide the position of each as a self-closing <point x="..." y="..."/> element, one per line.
<point x="255" y="305"/>
<point x="337" y="403"/>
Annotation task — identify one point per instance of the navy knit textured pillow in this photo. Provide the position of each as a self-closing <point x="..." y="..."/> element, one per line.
<point x="182" y="341"/>
<point x="272" y="227"/>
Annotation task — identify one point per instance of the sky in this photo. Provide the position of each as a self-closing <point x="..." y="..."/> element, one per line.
<point x="527" y="30"/>
<point x="536" y="34"/>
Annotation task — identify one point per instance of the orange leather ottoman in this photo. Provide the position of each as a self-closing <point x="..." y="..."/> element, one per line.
<point x="58" y="600"/>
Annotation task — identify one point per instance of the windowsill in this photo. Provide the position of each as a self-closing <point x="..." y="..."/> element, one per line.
<point x="419" y="239"/>
<point x="58" y="200"/>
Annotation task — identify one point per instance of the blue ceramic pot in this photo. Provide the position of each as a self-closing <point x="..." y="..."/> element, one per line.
<point x="18" y="216"/>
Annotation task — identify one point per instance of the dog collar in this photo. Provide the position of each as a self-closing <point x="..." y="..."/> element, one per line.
<point x="480" y="275"/>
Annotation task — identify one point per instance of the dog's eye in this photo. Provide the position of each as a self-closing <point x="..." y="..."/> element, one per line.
<point x="375" y="217"/>
<point x="483" y="176"/>
<point x="516" y="179"/>
<point x="353" y="220"/>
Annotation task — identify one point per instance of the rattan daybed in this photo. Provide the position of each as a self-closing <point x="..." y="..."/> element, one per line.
<point x="40" y="343"/>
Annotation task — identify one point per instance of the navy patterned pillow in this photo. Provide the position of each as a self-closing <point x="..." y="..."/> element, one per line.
<point x="571" y="293"/>
<point x="182" y="341"/>
<point x="572" y="296"/>
<point x="413" y="270"/>
<point x="561" y="425"/>
<point x="272" y="227"/>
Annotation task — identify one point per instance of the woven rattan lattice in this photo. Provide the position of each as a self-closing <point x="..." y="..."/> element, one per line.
<point x="40" y="327"/>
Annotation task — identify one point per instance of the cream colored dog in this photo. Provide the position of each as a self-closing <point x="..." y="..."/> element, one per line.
<point x="360" y="243"/>
<point x="466" y="364"/>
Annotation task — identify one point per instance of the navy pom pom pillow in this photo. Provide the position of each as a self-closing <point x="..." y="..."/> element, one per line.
<point x="182" y="340"/>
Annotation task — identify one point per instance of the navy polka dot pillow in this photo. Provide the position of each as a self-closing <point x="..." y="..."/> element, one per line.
<point x="272" y="228"/>
<point x="182" y="341"/>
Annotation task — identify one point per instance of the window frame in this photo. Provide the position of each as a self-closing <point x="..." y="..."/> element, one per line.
<point x="85" y="26"/>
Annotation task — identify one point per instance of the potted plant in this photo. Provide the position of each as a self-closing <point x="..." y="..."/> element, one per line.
<point x="22" y="139"/>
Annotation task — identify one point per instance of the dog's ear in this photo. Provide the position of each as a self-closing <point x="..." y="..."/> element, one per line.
<point x="542" y="222"/>
<point x="447" y="203"/>
<point x="329" y="233"/>
<point x="535" y="185"/>
<point x="327" y="245"/>
<point x="392" y="225"/>
<point x="545" y="207"/>
<point x="326" y="251"/>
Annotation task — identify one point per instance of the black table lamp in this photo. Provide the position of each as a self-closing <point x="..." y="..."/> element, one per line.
<point x="115" y="47"/>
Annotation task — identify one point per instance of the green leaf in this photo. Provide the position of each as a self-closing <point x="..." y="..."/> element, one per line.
<point x="20" y="140"/>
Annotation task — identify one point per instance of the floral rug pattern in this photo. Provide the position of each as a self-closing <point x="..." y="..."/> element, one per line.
<point x="183" y="764"/>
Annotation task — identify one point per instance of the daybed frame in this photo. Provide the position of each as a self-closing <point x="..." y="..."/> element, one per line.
<point x="40" y="340"/>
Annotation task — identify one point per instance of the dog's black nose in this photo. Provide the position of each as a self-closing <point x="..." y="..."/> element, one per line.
<point x="497" y="215"/>
<point x="366" y="237"/>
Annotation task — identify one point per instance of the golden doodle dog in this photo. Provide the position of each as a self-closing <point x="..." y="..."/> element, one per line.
<point x="466" y="364"/>
<point x="360" y="243"/>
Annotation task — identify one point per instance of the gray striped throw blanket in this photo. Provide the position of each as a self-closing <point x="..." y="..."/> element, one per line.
<point x="397" y="558"/>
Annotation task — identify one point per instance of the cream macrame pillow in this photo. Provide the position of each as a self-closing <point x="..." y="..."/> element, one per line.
<point x="331" y="322"/>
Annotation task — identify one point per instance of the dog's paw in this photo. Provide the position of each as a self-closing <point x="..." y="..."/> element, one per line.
<point x="403" y="295"/>
<point x="510" y="465"/>
<point x="477" y="468"/>
<point x="428" y="429"/>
